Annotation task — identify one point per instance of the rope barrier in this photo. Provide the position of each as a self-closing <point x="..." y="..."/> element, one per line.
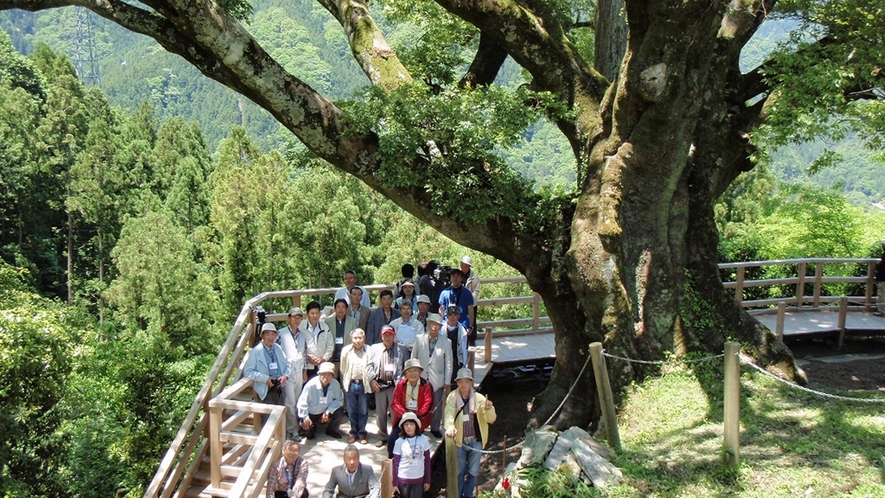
<point x="745" y="360"/>
<point x="550" y="419"/>
<point x="662" y="362"/>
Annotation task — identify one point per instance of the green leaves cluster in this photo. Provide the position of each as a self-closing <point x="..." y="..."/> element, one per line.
<point x="827" y="78"/>
<point x="449" y="140"/>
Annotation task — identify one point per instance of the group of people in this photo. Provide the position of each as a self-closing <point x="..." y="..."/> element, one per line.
<point x="402" y="357"/>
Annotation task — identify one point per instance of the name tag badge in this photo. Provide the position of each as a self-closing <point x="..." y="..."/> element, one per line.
<point x="272" y="366"/>
<point x="465" y="417"/>
<point x="339" y="340"/>
<point x="389" y="368"/>
<point x="323" y="400"/>
<point x="412" y="405"/>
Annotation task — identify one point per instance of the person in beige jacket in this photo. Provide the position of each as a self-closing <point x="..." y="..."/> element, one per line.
<point x="467" y="419"/>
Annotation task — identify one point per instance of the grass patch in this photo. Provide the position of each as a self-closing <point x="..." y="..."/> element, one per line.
<point x="792" y="443"/>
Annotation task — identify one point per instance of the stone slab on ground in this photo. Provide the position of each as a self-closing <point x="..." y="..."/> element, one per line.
<point x="594" y="466"/>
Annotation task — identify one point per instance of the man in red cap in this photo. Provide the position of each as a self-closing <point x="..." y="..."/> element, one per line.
<point x="384" y="368"/>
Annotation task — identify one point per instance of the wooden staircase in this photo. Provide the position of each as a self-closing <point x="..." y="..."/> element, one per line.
<point x="222" y="449"/>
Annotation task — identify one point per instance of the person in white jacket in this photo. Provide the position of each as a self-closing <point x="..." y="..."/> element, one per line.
<point x="268" y="367"/>
<point x="296" y="344"/>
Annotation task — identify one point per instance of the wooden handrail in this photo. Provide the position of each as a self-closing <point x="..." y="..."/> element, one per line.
<point x="798" y="279"/>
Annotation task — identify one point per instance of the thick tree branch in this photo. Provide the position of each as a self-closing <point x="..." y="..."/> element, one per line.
<point x="367" y="43"/>
<point x="543" y="49"/>
<point x="486" y="64"/>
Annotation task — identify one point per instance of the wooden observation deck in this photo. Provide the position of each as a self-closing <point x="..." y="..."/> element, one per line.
<point x="220" y="450"/>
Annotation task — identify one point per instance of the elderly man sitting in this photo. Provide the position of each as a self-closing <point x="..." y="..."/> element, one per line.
<point x="322" y="402"/>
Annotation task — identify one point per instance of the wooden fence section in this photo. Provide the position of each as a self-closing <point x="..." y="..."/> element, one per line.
<point x="799" y="280"/>
<point x="216" y="430"/>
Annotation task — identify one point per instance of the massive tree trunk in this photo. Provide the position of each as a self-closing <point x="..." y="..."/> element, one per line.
<point x="630" y="263"/>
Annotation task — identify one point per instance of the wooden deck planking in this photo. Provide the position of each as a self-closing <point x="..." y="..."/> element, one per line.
<point x="800" y="322"/>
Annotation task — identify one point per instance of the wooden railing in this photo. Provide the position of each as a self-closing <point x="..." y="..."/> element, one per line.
<point x="203" y="430"/>
<point x="227" y="424"/>
<point x="798" y="282"/>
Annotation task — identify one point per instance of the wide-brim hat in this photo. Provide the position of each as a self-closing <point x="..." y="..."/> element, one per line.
<point x="407" y="417"/>
<point x="327" y="367"/>
<point x="464" y="373"/>
<point x="268" y="327"/>
<point x="467" y="260"/>
<point x="412" y="363"/>
<point x="434" y="317"/>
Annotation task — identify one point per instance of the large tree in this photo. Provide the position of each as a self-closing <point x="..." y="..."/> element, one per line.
<point x="629" y="258"/>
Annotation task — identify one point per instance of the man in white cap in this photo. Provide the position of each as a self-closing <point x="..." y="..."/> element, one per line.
<point x="268" y="367"/>
<point x="434" y="351"/>
<point x="322" y="402"/>
<point x="880" y="284"/>
<point x="422" y="309"/>
<point x="471" y="282"/>
<point x="384" y="368"/>
<point x="296" y="344"/>
<point x="468" y="415"/>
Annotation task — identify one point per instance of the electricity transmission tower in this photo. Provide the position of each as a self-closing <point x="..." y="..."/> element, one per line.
<point x="85" y="51"/>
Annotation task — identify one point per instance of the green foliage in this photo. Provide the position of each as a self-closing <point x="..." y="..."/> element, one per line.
<point x="288" y="41"/>
<point x="239" y="9"/>
<point x="559" y="483"/>
<point x="698" y="313"/>
<point x="161" y="287"/>
<point x="451" y="138"/>
<point x="38" y="345"/>
<point x="825" y="75"/>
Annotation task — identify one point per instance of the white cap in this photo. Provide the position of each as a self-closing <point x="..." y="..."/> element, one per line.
<point x="268" y="327"/>
<point x="467" y="260"/>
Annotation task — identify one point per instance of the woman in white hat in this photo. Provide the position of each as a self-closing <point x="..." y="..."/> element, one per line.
<point x="411" y="459"/>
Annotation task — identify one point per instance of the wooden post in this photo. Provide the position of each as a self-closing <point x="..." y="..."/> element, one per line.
<point x="818" y="275"/>
<point x="800" y="284"/>
<point x="488" y="345"/>
<point x="504" y="454"/>
<point x="536" y="311"/>
<point x="843" y="315"/>
<point x="451" y="468"/>
<point x="215" y="449"/>
<point x="386" y="478"/>
<point x="739" y="287"/>
<point x="869" y="304"/>
<point x="779" y="325"/>
<point x="732" y="404"/>
<point x="606" y="400"/>
<point x="471" y="359"/>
